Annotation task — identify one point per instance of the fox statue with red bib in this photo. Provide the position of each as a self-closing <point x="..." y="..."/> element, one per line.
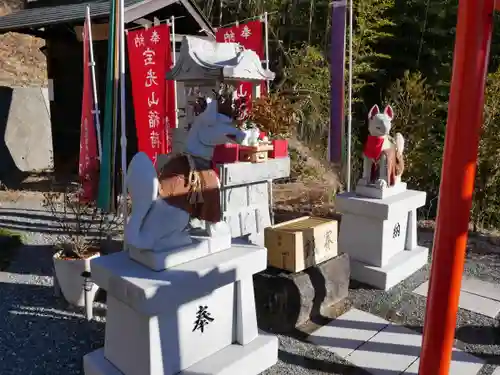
<point x="383" y="162"/>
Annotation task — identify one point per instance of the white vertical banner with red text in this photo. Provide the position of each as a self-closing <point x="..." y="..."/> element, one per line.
<point x="149" y="59"/>
<point x="250" y="36"/>
<point x="88" y="166"/>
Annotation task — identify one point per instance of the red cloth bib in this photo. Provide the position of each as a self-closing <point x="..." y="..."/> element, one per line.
<point x="373" y="147"/>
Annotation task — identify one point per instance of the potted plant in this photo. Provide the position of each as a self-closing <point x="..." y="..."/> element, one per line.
<point x="82" y="231"/>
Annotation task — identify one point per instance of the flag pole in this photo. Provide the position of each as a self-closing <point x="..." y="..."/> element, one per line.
<point x="105" y="172"/>
<point x="123" y="139"/>
<point x="174" y="59"/>
<point x="116" y="101"/>
<point x="266" y="41"/>
<point x="96" y="111"/>
<point x="349" y="101"/>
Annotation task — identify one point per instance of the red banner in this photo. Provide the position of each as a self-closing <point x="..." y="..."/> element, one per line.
<point x="170" y="103"/>
<point x="88" y="168"/>
<point x="150" y="58"/>
<point x="249" y="35"/>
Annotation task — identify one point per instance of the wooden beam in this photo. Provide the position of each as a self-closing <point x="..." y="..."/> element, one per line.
<point x="100" y="32"/>
<point x="143" y="22"/>
<point x="141" y="9"/>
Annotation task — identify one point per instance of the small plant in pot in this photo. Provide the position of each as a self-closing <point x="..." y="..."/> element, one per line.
<point x="82" y="231"/>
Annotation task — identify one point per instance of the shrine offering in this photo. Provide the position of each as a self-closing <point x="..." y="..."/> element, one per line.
<point x="301" y="243"/>
<point x="150" y="59"/>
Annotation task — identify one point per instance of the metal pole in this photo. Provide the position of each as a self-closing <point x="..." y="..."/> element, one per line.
<point x="349" y="101"/>
<point x="472" y="46"/>
<point x="336" y="134"/>
<point x="266" y="41"/>
<point x="174" y="59"/>
<point x="96" y="112"/>
<point x="123" y="139"/>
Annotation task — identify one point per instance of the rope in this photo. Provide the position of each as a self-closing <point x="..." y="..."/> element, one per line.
<point x="194" y="182"/>
<point x="194" y="178"/>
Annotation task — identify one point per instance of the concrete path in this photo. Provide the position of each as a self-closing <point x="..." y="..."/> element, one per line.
<point x="380" y="347"/>
<point x="476" y="295"/>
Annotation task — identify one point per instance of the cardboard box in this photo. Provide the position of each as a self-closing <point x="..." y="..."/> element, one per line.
<point x="301" y="243"/>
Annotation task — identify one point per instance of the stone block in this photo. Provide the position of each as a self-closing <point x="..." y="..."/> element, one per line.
<point x="287" y="300"/>
<point x="201" y="246"/>
<point x="25" y="124"/>
<point x="380" y="236"/>
<point x="146" y="290"/>
<point x="381" y="209"/>
<point x="399" y="267"/>
<point x="378" y="242"/>
<point x="250" y="359"/>
<point x="155" y="319"/>
<point x="370" y="191"/>
<point x="247" y="173"/>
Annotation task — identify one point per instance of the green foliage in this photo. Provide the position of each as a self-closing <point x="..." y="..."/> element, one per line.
<point x="402" y="55"/>
<point x="308" y="85"/>
<point x="417" y="118"/>
<point x="486" y="195"/>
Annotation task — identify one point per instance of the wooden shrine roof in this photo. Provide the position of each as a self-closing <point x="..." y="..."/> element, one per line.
<point x="39" y="16"/>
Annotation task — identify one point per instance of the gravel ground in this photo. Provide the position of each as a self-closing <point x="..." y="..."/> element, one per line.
<point x="40" y="334"/>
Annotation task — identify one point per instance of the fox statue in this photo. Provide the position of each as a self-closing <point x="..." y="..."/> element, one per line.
<point x="383" y="161"/>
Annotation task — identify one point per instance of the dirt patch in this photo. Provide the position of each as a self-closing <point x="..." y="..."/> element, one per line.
<point x="304" y="198"/>
<point x="21" y="61"/>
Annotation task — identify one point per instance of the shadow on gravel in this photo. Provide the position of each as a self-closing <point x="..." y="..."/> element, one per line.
<point x="315" y="364"/>
<point x="33" y="260"/>
<point x="38" y="221"/>
<point x="37" y="337"/>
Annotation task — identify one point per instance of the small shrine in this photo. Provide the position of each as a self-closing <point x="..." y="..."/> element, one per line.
<point x="245" y="170"/>
<point x="177" y="286"/>
<point x="379" y="221"/>
<point x="204" y="60"/>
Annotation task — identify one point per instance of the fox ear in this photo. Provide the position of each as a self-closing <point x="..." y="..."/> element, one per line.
<point x="374" y="111"/>
<point x="389" y="112"/>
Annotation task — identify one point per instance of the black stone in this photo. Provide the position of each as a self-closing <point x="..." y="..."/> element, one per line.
<point x="285" y="301"/>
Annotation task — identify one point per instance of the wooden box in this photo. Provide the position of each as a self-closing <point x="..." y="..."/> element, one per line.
<point x="255" y="154"/>
<point x="301" y="243"/>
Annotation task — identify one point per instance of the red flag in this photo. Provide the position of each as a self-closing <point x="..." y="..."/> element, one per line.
<point x="249" y="35"/>
<point x="88" y="168"/>
<point x="147" y="53"/>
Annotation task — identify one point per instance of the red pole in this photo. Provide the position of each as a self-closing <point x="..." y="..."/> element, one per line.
<point x="465" y="114"/>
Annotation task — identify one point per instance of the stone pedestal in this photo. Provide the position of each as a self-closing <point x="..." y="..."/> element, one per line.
<point x="380" y="236"/>
<point x="286" y="301"/>
<point x="197" y="317"/>
<point x="246" y="196"/>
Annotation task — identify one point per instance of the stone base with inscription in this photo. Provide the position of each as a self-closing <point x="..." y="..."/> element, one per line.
<point x="197" y="317"/>
<point x="380" y="236"/>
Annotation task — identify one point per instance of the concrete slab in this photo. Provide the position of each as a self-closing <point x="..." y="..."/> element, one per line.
<point x="462" y="363"/>
<point x="497" y="371"/>
<point x="481" y="288"/>
<point x="388" y="349"/>
<point x="391" y="351"/>
<point x="468" y="301"/>
<point x="348" y="332"/>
